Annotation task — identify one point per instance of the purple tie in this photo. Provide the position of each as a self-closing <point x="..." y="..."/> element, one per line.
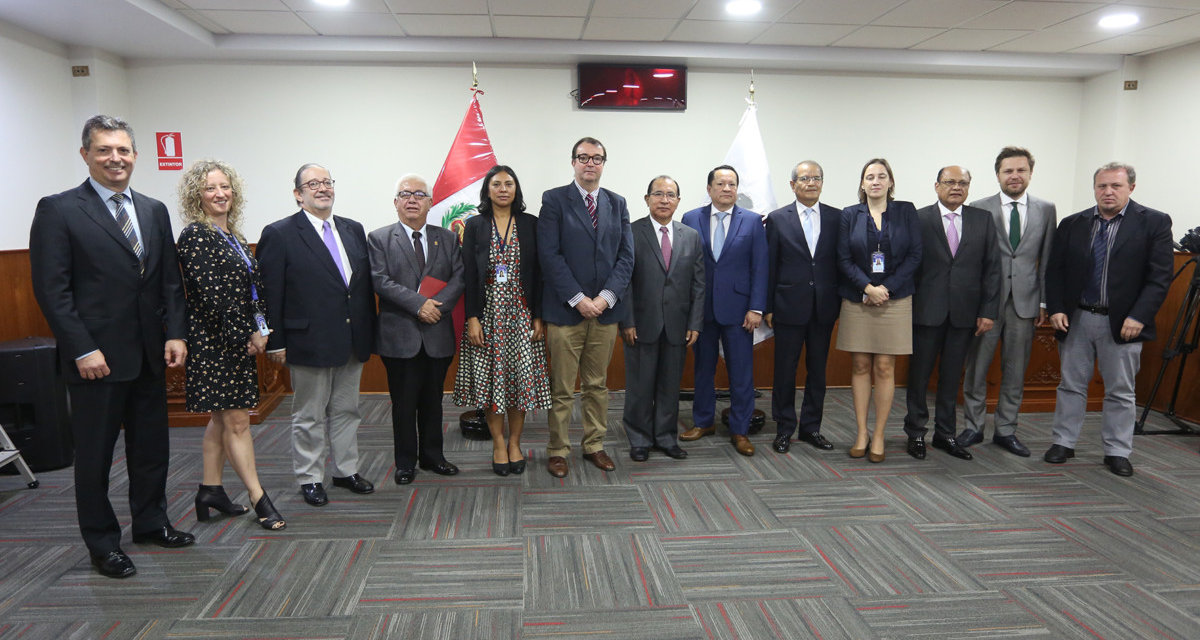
<point x="591" y="207"/>
<point x="666" y="247"/>
<point x="952" y="234"/>
<point x="331" y="244"/>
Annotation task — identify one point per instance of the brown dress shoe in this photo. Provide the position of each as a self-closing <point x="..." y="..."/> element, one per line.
<point x="695" y="433"/>
<point x="601" y="460"/>
<point x="557" y="466"/>
<point x="742" y="444"/>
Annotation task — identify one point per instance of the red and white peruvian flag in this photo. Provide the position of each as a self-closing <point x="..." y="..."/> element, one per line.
<point x="456" y="192"/>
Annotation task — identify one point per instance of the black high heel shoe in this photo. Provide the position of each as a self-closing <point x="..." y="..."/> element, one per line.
<point x="500" y="468"/>
<point x="268" y="516"/>
<point x="214" y="497"/>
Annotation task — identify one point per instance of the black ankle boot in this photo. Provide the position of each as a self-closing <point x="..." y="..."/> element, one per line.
<point x="268" y="516"/>
<point x="213" y="496"/>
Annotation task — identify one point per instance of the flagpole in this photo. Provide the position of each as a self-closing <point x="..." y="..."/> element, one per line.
<point x="750" y="100"/>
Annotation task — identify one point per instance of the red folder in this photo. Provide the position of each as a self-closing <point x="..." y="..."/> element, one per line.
<point x="430" y="286"/>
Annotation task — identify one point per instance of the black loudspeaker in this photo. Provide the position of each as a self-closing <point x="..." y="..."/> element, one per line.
<point x="33" y="403"/>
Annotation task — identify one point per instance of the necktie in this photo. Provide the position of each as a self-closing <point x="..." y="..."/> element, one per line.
<point x="331" y="245"/>
<point x="1014" y="227"/>
<point x="126" y="224"/>
<point x="419" y="250"/>
<point x="666" y="247"/>
<point x="807" y="222"/>
<point x="952" y="234"/>
<point x="719" y="235"/>
<point x="1091" y="293"/>
<point x="591" y="207"/>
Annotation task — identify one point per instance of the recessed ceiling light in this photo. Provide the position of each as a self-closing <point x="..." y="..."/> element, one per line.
<point x="1118" y="20"/>
<point x="743" y="7"/>
<point x="333" y="3"/>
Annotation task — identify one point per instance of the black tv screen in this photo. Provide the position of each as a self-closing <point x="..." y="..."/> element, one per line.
<point x="610" y="86"/>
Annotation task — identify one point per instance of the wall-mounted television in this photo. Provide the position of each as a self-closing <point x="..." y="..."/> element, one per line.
<point x="617" y="86"/>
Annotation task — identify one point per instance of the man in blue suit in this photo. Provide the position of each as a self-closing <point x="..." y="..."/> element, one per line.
<point x="585" y="247"/>
<point x="735" y="274"/>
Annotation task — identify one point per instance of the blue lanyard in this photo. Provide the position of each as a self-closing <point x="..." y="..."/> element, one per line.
<point x="237" y="246"/>
<point x="507" y="230"/>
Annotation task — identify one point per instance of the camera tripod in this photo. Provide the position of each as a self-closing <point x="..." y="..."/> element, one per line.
<point x="1181" y="342"/>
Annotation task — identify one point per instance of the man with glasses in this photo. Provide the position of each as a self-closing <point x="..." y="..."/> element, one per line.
<point x="957" y="296"/>
<point x="665" y="314"/>
<point x="802" y="305"/>
<point x="417" y="271"/>
<point x="586" y="251"/>
<point x="318" y="292"/>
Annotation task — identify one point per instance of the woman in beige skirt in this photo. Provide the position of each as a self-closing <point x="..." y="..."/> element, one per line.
<point x="879" y="249"/>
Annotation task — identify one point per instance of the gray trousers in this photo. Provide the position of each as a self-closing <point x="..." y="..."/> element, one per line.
<point x="652" y="374"/>
<point x="1016" y="334"/>
<point x="325" y="401"/>
<point x="1089" y="342"/>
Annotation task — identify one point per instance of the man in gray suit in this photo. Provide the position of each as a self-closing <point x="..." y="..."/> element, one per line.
<point x="958" y="294"/>
<point x="1024" y="232"/>
<point x="666" y="312"/>
<point x="418" y="273"/>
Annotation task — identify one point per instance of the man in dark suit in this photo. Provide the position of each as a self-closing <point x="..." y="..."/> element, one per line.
<point x="586" y="251"/>
<point x="318" y="292"/>
<point x="735" y="295"/>
<point x="107" y="279"/>
<point x="957" y="296"/>
<point x="1024" y="232"/>
<point x="664" y="317"/>
<point x="416" y="338"/>
<point x="1110" y="268"/>
<point x="802" y="304"/>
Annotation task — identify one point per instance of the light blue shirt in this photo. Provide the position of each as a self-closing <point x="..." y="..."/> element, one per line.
<point x="106" y="195"/>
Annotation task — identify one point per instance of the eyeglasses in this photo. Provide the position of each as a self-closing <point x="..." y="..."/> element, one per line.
<point x="313" y="185"/>
<point x="955" y="183"/>
<point x="807" y="179"/>
<point x="669" y="195"/>
<point x="405" y="195"/>
<point x="584" y="158"/>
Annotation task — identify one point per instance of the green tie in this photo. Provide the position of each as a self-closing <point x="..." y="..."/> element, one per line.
<point x="1014" y="227"/>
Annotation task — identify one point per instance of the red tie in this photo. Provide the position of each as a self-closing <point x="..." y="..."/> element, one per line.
<point x="591" y="205"/>
<point x="666" y="247"/>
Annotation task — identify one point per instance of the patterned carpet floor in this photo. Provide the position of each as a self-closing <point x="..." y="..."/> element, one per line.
<point x="812" y="544"/>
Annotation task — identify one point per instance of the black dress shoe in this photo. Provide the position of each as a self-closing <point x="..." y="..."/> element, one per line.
<point x="165" y="536"/>
<point x="405" y="476"/>
<point x="951" y="446"/>
<point x="781" y="444"/>
<point x="970" y="437"/>
<point x="639" y="454"/>
<point x="114" y="564"/>
<point x="314" y="494"/>
<point x="817" y="440"/>
<point x="916" y="448"/>
<point x="673" y="451"/>
<point x="442" y="468"/>
<point x="501" y="468"/>
<point x="517" y="467"/>
<point x="1119" y="465"/>
<point x="355" y="483"/>
<point x="1058" y="454"/>
<point x="1012" y="444"/>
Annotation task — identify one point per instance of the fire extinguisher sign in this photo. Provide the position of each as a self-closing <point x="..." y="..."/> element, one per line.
<point x="170" y="150"/>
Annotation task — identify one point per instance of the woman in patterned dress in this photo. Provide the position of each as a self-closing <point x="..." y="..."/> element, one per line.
<point x="226" y="330"/>
<point x="502" y="362"/>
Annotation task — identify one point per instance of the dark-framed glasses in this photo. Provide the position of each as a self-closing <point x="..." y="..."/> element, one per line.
<point x="584" y="158"/>
<point x="313" y="185"/>
<point x="405" y="195"/>
<point x="956" y="183"/>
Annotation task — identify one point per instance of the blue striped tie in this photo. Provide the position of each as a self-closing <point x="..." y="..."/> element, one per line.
<point x="126" y="224"/>
<point x="1091" y="293"/>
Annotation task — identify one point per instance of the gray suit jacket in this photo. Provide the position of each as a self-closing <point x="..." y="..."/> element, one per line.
<point x="1023" y="272"/>
<point x="961" y="287"/>
<point x="394" y="272"/>
<point x="665" y="298"/>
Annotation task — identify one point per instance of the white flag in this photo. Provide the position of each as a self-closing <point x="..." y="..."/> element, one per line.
<point x="749" y="157"/>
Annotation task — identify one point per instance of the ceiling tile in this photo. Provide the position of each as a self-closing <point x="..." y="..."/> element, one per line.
<point x="1176" y="4"/>
<point x="237" y="5"/>
<point x="538" y="27"/>
<point x="675" y="9"/>
<point x="328" y="23"/>
<point x="355" y="6"/>
<point x="1127" y="45"/>
<point x="1087" y="23"/>
<point x="652" y="29"/>
<point x="715" y="10"/>
<point x="887" y="37"/>
<point x="722" y="31"/>
<point x="477" y="7"/>
<point x="260" y="22"/>
<point x="203" y="21"/>
<point x="447" y="26"/>
<point x="1043" y="42"/>
<point x="540" y="7"/>
<point x="174" y="4"/>
<point x="804" y="35"/>
<point x="840" y="11"/>
<point x="937" y="13"/>
<point x="1030" y="15"/>
<point x="1188" y="28"/>
<point x="970" y="39"/>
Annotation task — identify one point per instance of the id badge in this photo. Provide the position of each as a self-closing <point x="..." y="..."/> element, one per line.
<point x="501" y="273"/>
<point x="261" y="321"/>
<point x="877" y="262"/>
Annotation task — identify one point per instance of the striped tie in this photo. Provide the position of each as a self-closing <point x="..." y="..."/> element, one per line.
<point x="126" y="224"/>
<point x="591" y="207"/>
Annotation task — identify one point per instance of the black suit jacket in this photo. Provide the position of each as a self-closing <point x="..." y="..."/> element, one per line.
<point x="313" y="314"/>
<point x="88" y="282"/>
<point x="802" y="287"/>
<point x="854" y="256"/>
<point x="961" y="287"/>
<point x="1139" y="267"/>
<point x="476" y="245"/>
